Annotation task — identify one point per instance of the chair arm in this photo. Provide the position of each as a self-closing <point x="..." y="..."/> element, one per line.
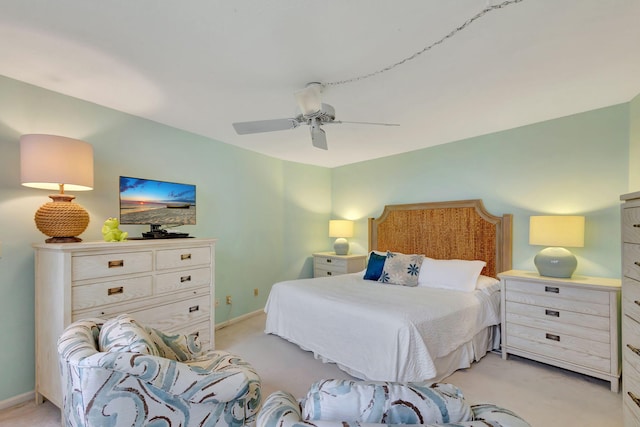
<point x="280" y="410"/>
<point x="493" y="415"/>
<point x="196" y="382"/>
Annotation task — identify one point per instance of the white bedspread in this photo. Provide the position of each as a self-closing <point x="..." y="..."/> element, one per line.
<point x="383" y="332"/>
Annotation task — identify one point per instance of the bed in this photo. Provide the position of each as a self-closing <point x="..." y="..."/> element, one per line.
<point x="383" y="332"/>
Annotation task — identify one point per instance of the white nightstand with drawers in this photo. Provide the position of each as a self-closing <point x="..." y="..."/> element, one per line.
<point x="330" y="264"/>
<point x="167" y="284"/>
<point x="570" y="323"/>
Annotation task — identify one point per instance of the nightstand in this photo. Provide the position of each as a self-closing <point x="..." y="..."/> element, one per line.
<point x="570" y="323"/>
<point x="330" y="264"/>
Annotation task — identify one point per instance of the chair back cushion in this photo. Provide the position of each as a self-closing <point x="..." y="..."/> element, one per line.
<point x="384" y="402"/>
<point x="123" y="333"/>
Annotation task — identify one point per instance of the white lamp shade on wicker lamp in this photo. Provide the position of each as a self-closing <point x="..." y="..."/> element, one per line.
<point x="556" y="232"/>
<point x="341" y="229"/>
<point x="53" y="162"/>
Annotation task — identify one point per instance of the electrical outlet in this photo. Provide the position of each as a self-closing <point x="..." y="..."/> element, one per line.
<point x="229" y="299"/>
<point x="255" y="292"/>
<point x="217" y="302"/>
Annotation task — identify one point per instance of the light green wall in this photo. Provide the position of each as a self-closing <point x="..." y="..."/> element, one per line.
<point x="268" y="215"/>
<point x="634" y="145"/>
<point x="572" y="165"/>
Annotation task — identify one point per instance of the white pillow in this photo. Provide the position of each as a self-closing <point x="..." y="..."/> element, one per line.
<point x="454" y="274"/>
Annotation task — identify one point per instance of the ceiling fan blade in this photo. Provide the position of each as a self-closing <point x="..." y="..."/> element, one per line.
<point x="318" y="136"/>
<point x="258" y="126"/>
<point x="363" y="123"/>
<point x="310" y="98"/>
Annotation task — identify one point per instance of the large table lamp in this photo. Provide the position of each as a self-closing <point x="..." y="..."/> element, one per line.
<point x="556" y="232"/>
<point x="53" y="162"/>
<point x="341" y="229"/>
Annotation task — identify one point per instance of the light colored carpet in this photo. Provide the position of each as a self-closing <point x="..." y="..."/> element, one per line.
<point x="543" y="395"/>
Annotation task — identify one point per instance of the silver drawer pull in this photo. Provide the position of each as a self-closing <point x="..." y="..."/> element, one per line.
<point x="634" y="349"/>
<point x="184" y="257"/>
<point x="552" y="289"/>
<point x="116" y="264"/>
<point x="552" y="313"/>
<point x="194" y="308"/>
<point x="553" y="337"/>
<point x="185" y="279"/>
<point x="635" y="398"/>
<point x="115" y="291"/>
<point x="328" y="273"/>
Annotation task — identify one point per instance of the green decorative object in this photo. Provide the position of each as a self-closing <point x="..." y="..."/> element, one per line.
<point x="555" y="262"/>
<point x="111" y="232"/>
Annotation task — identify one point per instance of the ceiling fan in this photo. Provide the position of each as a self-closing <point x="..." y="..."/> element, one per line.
<point x="313" y="113"/>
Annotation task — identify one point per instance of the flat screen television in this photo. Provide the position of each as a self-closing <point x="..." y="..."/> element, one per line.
<point x="156" y="203"/>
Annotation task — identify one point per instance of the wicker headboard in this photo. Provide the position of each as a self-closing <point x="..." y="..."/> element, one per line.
<point x="460" y="229"/>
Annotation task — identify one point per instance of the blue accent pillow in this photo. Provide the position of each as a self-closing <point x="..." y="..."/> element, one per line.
<point x="374" y="266"/>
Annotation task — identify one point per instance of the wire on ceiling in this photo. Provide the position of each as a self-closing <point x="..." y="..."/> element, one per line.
<point x="467" y="23"/>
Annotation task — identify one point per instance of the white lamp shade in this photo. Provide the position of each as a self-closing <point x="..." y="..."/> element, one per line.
<point x="340" y="228"/>
<point x="557" y="231"/>
<point x="46" y="161"/>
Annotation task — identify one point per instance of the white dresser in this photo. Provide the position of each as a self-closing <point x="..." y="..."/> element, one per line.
<point x="167" y="284"/>
<point x="570" y="323"/>
<point x="330" y="264"/>
<point x="630" y="216"/>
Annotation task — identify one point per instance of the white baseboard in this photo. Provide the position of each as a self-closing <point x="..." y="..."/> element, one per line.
<point x="17" y="400"/>
<point x="238" y="319"/>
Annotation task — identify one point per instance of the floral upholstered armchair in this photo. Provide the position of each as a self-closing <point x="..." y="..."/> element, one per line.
<point x="120" y="373"/>
<point x="346" y="403"/>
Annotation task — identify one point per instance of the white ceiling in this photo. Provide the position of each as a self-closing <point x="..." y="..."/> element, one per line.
<point x="200" y="65"/>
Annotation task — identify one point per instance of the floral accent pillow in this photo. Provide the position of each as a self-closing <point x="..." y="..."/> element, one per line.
<point x="401" y="269"/>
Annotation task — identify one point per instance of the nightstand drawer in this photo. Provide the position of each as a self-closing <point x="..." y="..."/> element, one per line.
<point x="559" y="291"/>
<point x="560" y="326"/>
<point x="329" y="263"/>
<point x="555" y="301"/>
<point x="631" y="298"/>
<point x="585" y="352"/>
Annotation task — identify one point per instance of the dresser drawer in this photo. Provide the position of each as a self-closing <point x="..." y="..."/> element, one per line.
<point x="171" y="316"/>
<point x="185" y="257"/>
<point x="104" y="293"/>
<point x="587" y="353"/>
<point x="563" y="301"/>
<point x="631" y="343"/>
<point x="631" y="390"/>
<point x="179" y="280"/>
<point x="631" y="225"/>
<point x="631" y="260"/>
<point x="107" y="265"/>
<point x="631" y="298"/>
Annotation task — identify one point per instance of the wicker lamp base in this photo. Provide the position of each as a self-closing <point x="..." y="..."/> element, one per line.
<point x="61" y="219"/>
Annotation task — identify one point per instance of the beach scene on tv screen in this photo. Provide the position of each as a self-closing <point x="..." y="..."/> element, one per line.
<point x="144" y="201"/>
